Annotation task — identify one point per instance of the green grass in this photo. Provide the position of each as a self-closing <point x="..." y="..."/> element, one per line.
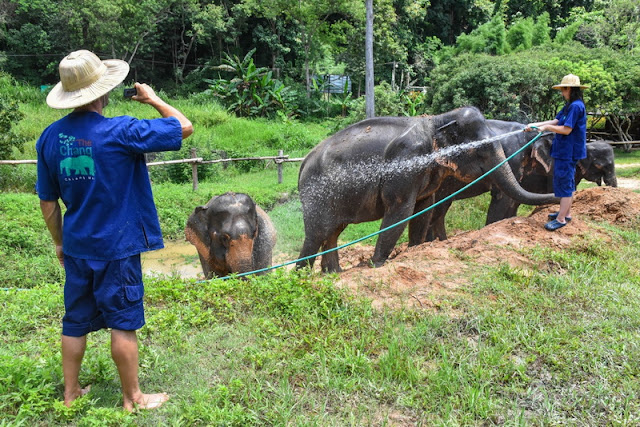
<point x="554" y="344"/>
<point x="626" y="158"/>
<point x="631" y="158"/>
<point x="27" y="258"/>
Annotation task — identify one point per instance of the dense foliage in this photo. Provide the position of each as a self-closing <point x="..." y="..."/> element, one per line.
<point x="9" y="114"/>
<point x="178" y="42"/>
<point x="518" y="89"/>
<point x="268" y="59"/>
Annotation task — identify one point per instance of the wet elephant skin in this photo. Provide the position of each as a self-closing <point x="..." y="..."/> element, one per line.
<point x="231" y="234"/>
<point x="388" y="168"/>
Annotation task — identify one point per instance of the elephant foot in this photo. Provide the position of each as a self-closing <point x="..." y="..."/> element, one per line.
<point x="305" y="264"/>
<point x="331" y="269"/>
<point x="376" y="264"/>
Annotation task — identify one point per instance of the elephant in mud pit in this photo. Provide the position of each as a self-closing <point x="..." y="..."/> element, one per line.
<point x="232" y="235"/>
<point x="532" y="168"/>
<point x="390" y="168"/>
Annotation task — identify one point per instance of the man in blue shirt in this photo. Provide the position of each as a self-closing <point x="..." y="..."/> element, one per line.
<point x="96" y="166"/>
<point x="569" y="146"/>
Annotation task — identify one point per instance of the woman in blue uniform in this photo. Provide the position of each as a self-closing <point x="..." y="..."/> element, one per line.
<point x="569" y="146"/>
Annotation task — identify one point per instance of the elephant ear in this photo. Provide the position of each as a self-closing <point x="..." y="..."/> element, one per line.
<point x="541" y="152"/>
<point x="265" y="240"/>
<point x="585" y="164"/>
<point x="404" y="145"/>
<point x="445" y="133"/>
<point x="196" y="230"/>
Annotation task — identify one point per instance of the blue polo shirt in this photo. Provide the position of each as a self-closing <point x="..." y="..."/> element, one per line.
<point x="96" y="166"/>
<point x="572" y="146"/>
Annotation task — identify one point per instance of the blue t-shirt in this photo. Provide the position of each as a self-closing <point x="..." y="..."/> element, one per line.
<point x="574" y="145"/>
<point x="96" y="166"/>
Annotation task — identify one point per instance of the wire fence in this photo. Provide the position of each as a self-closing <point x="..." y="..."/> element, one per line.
<point x="281" y="158"/>
<point x="194" y="160"/>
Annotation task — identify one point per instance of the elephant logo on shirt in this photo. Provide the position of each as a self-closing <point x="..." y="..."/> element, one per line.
<point x="80" y="165"/>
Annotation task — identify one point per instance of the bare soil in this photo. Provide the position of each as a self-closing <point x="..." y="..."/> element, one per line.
<point x="424" y="276"/>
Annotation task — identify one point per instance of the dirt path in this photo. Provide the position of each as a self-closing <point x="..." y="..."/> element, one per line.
<point x="628" y="165"/>
<point x="630" y="183"/>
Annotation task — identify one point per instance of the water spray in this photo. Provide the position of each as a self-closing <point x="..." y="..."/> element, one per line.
<point x="484" y="141"/>
<point x="493" y="138"/>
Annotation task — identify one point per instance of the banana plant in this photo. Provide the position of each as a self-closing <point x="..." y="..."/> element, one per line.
<point x="252" y="91"/>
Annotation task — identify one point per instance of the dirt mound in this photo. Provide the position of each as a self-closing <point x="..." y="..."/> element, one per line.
<point x="424" y="275"/>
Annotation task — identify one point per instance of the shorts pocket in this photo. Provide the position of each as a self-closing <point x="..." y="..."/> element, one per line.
<point x="134" y="293"/>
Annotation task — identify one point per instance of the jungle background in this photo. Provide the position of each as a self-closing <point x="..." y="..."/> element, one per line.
<point x="504" y="325"/>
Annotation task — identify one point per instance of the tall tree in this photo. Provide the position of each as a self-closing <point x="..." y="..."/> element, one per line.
<point x="370" y="99"/>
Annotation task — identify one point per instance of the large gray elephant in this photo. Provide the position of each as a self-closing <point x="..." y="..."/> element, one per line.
<point x="232" y="235"/>
<point x="532" y="168"/>
<point x="390" y="168"/>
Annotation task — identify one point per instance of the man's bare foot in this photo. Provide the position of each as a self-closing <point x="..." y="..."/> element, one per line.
<point x="72" y="395"/>
<point x="146" y="401"/>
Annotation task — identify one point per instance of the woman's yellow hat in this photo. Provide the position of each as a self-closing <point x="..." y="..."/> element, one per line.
<point x="570" y="80"/>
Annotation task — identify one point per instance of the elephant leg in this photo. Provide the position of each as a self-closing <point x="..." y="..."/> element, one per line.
<point x="501" y="207"/>
<point x="330" y="262"/>
<point x="388" y="239"/>
<point x="317" y="226"/>
<point x="310" y="246"/>
<point x="316" y="234"/>
<point x="420" y="225"/>
<point x="438" y="229"/>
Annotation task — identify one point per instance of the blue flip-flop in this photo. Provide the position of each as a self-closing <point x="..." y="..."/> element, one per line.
<point x="554" y="215"/>
<point x="554" y="225"/>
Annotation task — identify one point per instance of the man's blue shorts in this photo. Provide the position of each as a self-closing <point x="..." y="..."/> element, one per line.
<point x="564" y="177"/>
<point x="102" y="294"/>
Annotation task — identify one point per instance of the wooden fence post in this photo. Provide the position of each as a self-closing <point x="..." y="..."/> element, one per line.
<point x="280" y="153"/>
<point x="194" y="170"/>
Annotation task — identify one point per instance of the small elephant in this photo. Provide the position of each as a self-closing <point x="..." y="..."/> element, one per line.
<point x="597" y="167"/>
<point x="533" y="168"/>
<point x="232" y="235"/>
<point x="390" y="168"/>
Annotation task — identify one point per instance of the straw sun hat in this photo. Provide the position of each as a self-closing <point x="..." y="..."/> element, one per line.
<point x="570" y="80"/>
<point x="85" y="78"/>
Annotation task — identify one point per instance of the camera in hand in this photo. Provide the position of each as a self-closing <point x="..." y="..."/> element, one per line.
<point x="129" y="92"/>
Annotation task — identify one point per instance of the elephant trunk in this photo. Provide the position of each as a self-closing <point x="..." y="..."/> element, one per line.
<point x="240" y="254"/>
<point x="507" y="182"/>
<point x="611" y="180"/>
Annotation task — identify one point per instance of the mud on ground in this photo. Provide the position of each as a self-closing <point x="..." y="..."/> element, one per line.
<point x="424" y="276"/>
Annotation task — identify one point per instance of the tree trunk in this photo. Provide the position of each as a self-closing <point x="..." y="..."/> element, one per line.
<point x="370" y="101"/>
<point x="622" y="126"/>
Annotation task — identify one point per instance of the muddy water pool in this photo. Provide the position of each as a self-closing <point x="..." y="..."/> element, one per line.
<point x="178" y="258"/>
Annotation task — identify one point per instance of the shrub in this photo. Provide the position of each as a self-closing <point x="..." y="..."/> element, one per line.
<point x="518" y="86"/>
<point x="10" y="115"/>
<point x="252" y="92"/>
<point x="387" y="102"/>
<point x="513" y="89"/>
